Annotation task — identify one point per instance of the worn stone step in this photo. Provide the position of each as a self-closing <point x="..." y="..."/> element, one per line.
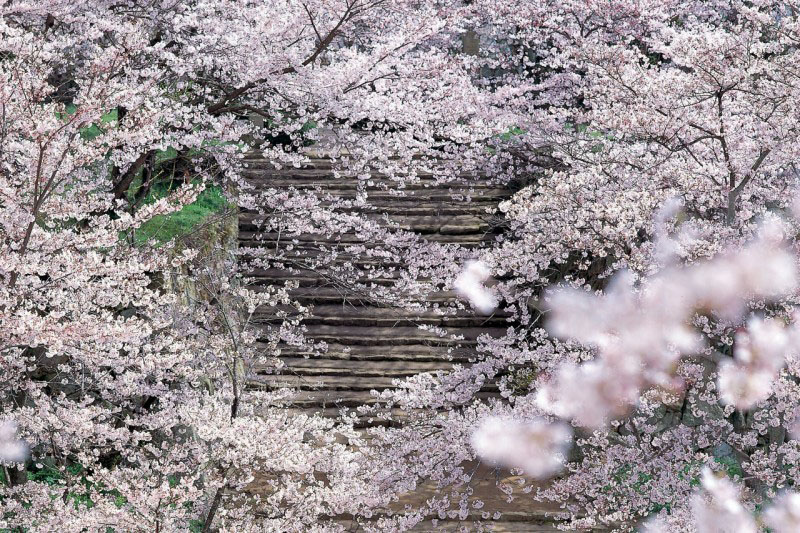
<point x="347" y="383"/>
<point x="398" y="416"/>
<point x="365" y="321"/>
<point x="334" y="383"/>
<point x="406" y="353"/>
<point x="294" y="265"/>
<point x="251" y="238"/>
<point x="310" y="253"/>
<point x="313" y="366"/>
<point x="312" y="400"/>
<point x="325" y="178"/>
<point x="321" y="169"/>
<point x="445" y="225"/>
<point x="309" y="278"/>
<point x="378" y="197"/>
<point x="396" y="335"/>
<point x="340" y="295"/>
<point x="376" y="316"/>
<point x="312" y="257"/>
<point x="522" y="524"/>
<point x="420" y="208"/>
<point x="329" y="295"/>
<point x="327" y="398"/>
<point x="424" y="226"/>
<point x="321" y="165"/>
<point x="312" y="295"/>
<point x="435" y="209"/>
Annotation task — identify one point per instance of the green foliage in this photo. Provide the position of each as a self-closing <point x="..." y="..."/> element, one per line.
<point x="690" y="470"/>
<point x="732" y="468"/>
<point x="511" y="133"/>
<point x="95" y="130"/>
<point x="520" y="380"/>
<point x="47" y="474"/>
<point x="52" y="476"/>
<point x="164" y="228"/>
<point x="162" y="156"/>
<point x="82" y="489"/>
<point x="92" y="131"/>
<point x="171" y="153"/>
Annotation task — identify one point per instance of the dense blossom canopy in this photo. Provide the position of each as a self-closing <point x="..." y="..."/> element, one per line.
<point x="649" y="376"/>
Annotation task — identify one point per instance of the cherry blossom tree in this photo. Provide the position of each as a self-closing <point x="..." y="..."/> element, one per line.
<point x="126" y="403"/>
<point x="649" y="137"/>
<point x="652" y="150"/>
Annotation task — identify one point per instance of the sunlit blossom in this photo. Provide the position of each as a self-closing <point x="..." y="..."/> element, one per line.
<point x="538" y="447"/>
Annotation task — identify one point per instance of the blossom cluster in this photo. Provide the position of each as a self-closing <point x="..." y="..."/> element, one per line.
<point x="130" y="396"/>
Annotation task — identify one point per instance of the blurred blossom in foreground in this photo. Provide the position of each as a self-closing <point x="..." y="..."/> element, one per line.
<point x="759" y="354"/>
<point x="12" y="450"/>
<point x="539" y="448"/>
<point x="718" y="510"/>
<point x="784" y="514"/>
<point x="793" y="426"/>
<point x="654" y="526"/>
<point x="470" y="285"/>
<point x="640" y="331"/>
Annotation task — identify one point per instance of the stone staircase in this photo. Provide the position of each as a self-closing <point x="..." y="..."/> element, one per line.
<point x="369" y="343"/>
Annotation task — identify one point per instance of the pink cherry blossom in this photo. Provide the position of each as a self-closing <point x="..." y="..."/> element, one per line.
<point x="783" y="516"/>
<point x="718" y="509"/>
<point x="633" y="164"/>
<point x="12" y="449"/>
<point x="539" y="448"/>
<point x="470" y="285"/>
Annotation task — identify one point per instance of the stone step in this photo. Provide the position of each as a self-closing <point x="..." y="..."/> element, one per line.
<point x="334" y="383"/>
<point x="322" y="165"/>
<point x="406" y="353"/>
<point x="304" y="257"/>
<point x="378" y="197"/>
<point x="331" y="295"/>
<point x="381" y="316"/>
<point x="256" y="157"/>
<point x="518" y="522"/>
<point x="400" y="335"/>
<point x="298" y="266"/>
<point x="363" y="421"/>
<point x="309" y="253"/>
<point x="445" y="225"/>
<point x="308" y="278"/>
<point x="314" y="366"/>
<point x="420" y="208"/>
<point x="438" y="209"/>
<point x="326" y="383"/>
<point x="522" y="524"/>
<point x="251" y="238"/>
<point x="313" y="400"/>
<point x="324" y="178"/>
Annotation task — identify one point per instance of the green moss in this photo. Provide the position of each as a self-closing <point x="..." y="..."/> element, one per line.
<point x="511" y="133"/>
<point x="520" y="380"/>
<point x="164" y="228"/>
<point x="91" y="131"/>
<point x="732" y="468"/>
